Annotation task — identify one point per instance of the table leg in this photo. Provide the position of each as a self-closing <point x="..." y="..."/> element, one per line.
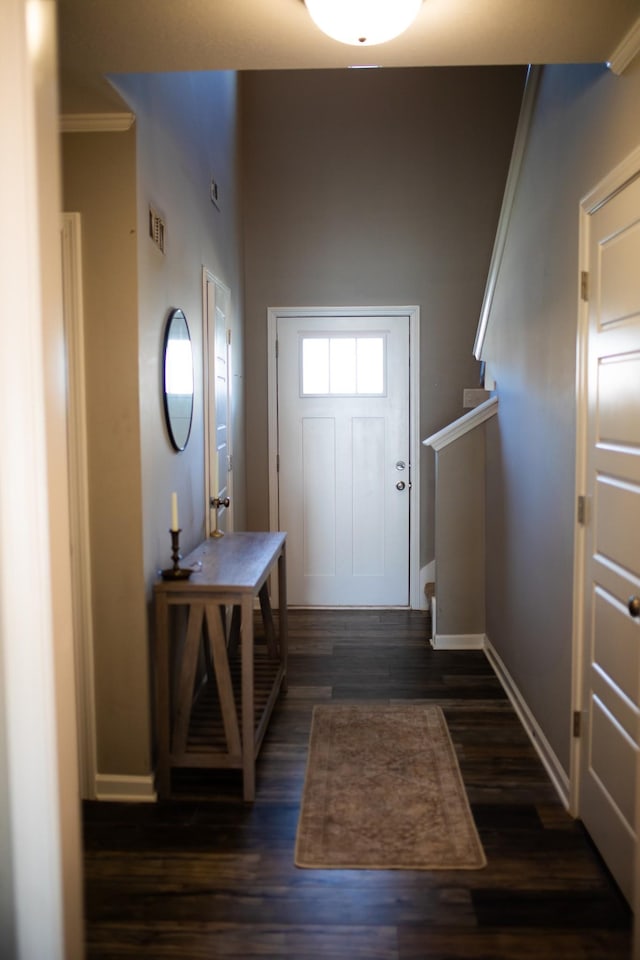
<point x="283" y="638"/>
<point x="248" y="727"/>
<point x="163" y="771"/>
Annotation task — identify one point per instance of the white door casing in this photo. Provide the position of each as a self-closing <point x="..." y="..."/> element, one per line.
<point x="217" y="387"/>
<point x="341" y="456"/>
<point x="606" y="637"/>
<point x="71" y="238"/>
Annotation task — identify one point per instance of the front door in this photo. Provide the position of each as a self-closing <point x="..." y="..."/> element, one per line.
<point x="343" y="450"/>
<point x="611" y="697"/>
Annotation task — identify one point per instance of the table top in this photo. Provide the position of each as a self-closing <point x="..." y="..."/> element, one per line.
<point x="237" y="562"/>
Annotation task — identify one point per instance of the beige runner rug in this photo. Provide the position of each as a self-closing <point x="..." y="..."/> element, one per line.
<point x="383" y="791"/>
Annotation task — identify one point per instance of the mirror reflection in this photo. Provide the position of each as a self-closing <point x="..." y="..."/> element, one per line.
<point x="178" y="379"/>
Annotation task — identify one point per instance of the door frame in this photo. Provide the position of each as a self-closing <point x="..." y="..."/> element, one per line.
<point x="209" y="404"/>
<point x="413" y="313"/>
<point x="79" y="523"/>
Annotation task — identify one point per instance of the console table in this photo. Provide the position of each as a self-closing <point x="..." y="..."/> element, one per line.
<point x="223" y="726"/>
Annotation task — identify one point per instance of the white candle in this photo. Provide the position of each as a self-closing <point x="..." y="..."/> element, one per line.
<point x="174" y="511"/>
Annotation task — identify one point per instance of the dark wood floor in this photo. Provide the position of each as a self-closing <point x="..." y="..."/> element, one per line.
<point x="205" y="875"/>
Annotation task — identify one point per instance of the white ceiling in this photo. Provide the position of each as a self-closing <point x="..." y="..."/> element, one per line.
<point x="126" y="36"/>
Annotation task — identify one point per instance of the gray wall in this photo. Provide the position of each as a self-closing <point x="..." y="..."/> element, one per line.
<point x="460" y="536"/>
<point x="586" y="121"/>
<point x="367" y="187"/>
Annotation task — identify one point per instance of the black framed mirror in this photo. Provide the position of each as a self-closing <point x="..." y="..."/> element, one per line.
<point x="178" y="379"/>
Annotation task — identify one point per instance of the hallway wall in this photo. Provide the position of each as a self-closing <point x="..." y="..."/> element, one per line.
<point x="585" y="122"/>
<point x="367" y="187"/>
<point x="185" y="132"/>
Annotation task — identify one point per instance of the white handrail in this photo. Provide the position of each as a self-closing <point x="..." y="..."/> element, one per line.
<point x="463" y="424"/>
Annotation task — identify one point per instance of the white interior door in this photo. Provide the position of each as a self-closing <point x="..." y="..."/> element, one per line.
<point x="611" y="696"/>
<point x="218" y="381"/>
<point x="344" y="470"/>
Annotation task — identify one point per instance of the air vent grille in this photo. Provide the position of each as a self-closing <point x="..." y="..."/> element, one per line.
<point x="157" y="229"/>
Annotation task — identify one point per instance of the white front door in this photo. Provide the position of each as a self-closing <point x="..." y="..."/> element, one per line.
<point x="611" y="692"/>
<point x="344" y="458"/>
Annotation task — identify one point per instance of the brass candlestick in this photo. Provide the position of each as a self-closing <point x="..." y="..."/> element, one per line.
<point x="176" y="572"/>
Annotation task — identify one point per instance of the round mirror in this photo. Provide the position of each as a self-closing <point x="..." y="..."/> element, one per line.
<point x="178" y="379"/>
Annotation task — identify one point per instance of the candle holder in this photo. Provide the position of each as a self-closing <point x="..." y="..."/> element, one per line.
<point x="216" y="503"/>
<point x="176" y="572"/>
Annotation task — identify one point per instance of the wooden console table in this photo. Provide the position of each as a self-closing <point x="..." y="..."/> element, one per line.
<point x="228" y="572"/>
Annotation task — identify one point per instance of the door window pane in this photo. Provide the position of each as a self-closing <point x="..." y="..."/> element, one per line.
<point x="343" y="366"/>
<point x="315" y="365"/>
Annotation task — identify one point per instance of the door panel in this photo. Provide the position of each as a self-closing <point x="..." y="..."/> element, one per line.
<point x="343" y="425"/>
<point x="610" y="745"/>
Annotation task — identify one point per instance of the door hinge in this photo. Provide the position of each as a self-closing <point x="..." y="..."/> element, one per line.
<point x="228" y="336"/>
<point x="582" y="509"/>
<point x="584" y="286"/>
<point x="277" y="463"/>
<point x="277" y="348"/>
<point x="577" y="723"/>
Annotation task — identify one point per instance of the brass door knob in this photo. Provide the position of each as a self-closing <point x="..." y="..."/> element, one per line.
<point x="634" y="606"/>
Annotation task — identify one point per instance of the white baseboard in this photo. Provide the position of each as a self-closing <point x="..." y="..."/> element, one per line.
<point x="542" y="746"/>
<point x="125" y="789"/>
<point x="458" y="641"/>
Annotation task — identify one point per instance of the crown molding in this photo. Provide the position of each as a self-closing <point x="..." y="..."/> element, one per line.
<point x="96" y="122"/>
<point x="626" y="51"/>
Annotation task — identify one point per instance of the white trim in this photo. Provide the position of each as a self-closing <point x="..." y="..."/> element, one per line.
<point x="458" y="641"/>
<point x="613" y="182"/>
<point x="96" y="122"/>
<point x="79" y="500"/>
<point x="626" y="51"/>
<point x="519" y="144"/>
<point x="209" y="396"/>
<point x="462" y="425"/>
<point x="125" y="789"/>
<point x="534" y="731"/>
<point x="413" y="313"/>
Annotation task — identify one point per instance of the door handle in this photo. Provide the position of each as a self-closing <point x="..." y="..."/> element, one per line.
<point x="400" y="485"/>
<point x="634" y="606"/>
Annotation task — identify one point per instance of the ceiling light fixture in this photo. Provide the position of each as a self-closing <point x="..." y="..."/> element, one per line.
<point x="363" y="23"/>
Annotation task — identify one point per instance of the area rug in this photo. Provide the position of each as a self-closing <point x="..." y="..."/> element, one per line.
<point x="383" y="791"/>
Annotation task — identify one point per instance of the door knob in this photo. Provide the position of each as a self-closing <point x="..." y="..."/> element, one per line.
<point x="400" y="485"/>
<point x="634" y="606"/>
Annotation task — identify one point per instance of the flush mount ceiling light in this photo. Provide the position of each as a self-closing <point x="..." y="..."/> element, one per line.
<point x="363" y="23"/>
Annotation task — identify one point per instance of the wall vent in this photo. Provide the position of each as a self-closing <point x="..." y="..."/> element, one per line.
<point x="157" y="229"/>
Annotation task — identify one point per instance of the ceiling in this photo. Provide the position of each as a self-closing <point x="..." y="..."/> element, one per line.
<point x="130" y="36"/>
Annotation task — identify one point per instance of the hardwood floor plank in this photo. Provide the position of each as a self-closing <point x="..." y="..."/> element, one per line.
<point x="207" y="875"/>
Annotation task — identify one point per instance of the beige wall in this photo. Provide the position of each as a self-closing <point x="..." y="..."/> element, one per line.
<point x="100" y="184"/>
<point x="586" y="121"/>
<point x="372" y="187"/>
